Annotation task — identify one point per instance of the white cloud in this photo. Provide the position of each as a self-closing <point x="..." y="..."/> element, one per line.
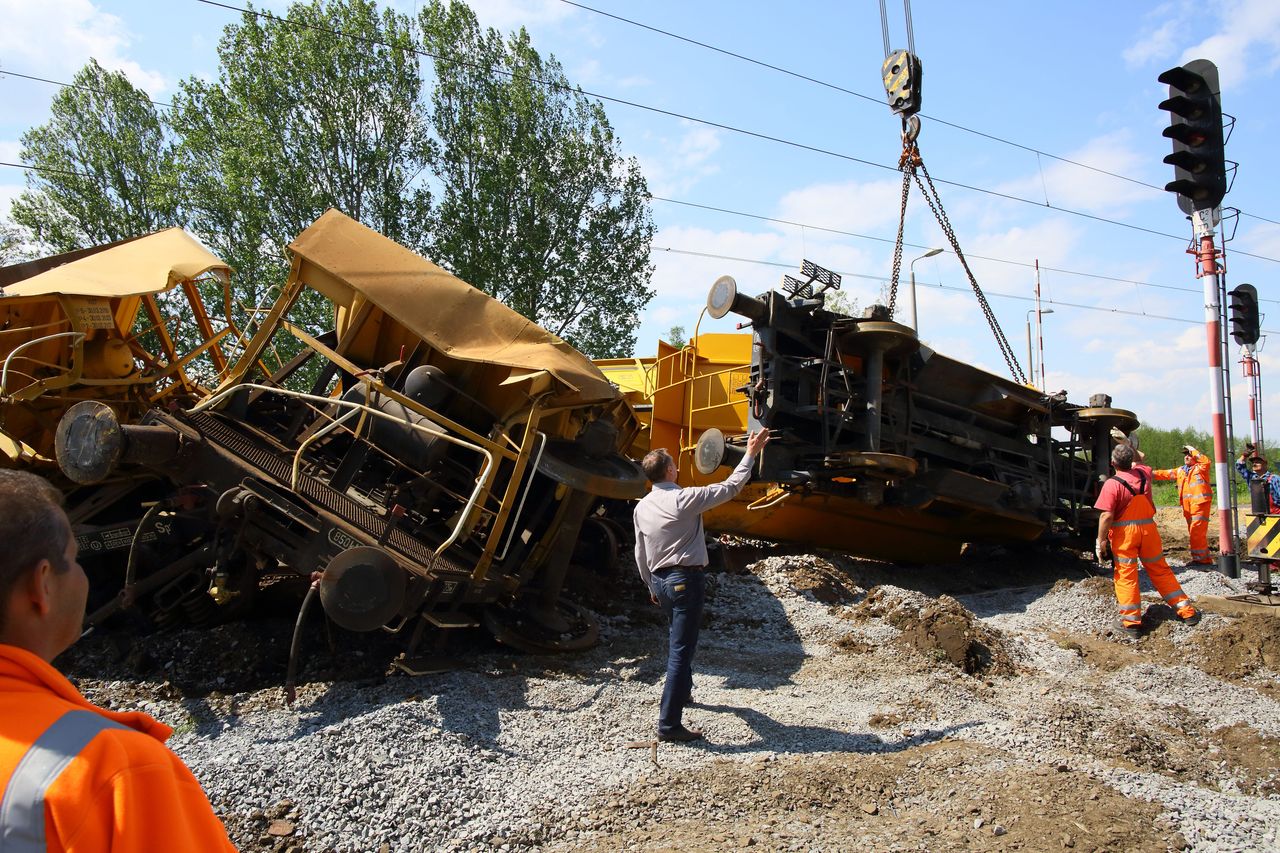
<point x="1263" y="239"/>
<point x="57" y="37"/>
<point x="508" y="15"/>
<point x="1157" y="44"/>
<point x="679" y="164"/>
<point x="1246" y="43"/>
<point x="1070" y="186"/>
<point x="850" y="206"/>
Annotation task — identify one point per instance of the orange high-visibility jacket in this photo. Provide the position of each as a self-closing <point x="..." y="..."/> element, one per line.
<point x="1193" y="480"/>
<point x="76" y="777"/>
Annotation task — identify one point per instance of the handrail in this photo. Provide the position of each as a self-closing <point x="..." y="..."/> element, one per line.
<point x="332" y="401"/>
<point x="4" y="374"/>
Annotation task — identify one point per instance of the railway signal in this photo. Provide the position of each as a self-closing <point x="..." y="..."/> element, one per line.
<point x="1195" y="126"/>
<point x="1245" y="322"/>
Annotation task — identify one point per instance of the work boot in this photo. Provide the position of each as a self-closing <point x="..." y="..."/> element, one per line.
<point x="1189" y="616"/>
<point x="1132" y="631"/>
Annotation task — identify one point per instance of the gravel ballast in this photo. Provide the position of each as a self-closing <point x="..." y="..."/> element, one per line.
<point x="825" y="692"/>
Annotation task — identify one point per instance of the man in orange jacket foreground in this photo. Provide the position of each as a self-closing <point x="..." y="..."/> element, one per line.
<point x="74" y="776"/>
<point x="1127" y="532"/>
<point x="1195" y="495"/>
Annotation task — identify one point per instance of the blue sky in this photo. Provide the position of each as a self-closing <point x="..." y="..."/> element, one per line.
<point x="1075" y="82"/>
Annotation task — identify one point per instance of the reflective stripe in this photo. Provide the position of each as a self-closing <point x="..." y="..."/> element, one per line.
<point x="1126" y="560"/>
<point x="1134" y="609"/>
<point x="1151" y="561"/>
<point x="22" y="811"/>
<point x="1174" y="596"/>
<point x="1199" y="518"/>
<point x="1132" y="522"/>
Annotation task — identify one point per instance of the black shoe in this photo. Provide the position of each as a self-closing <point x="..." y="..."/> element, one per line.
<point x="680" y="735"/>
<point x="1192" y="620"/>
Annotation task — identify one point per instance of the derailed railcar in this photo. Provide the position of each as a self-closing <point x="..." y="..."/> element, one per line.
<point x="123" y="323"/>
<point x="883" y="447"/>
<point x="431" y="459"/>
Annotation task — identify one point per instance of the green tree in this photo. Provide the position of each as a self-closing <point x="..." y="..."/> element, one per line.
<point x="12" y="243"/>
<point x="537" y="205"/>
<point x="104" y="166"/>
<point x="676" y="336"/>
<point x="321" y="109"/>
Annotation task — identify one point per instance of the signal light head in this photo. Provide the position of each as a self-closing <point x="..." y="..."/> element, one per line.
<point x="1195" y="126"/>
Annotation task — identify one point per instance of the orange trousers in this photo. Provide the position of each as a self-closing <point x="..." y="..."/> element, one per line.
<point x="1197" y="516"/>
<point x="1136" y="541"/>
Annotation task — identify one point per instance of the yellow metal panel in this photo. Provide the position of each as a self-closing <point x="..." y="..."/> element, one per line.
<point x="1264" y="537"/>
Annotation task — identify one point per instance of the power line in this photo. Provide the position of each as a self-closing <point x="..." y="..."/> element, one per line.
<point x="762" y="218"/>
<point x="939" y="286"/>
<point x="875" y="100"/>
<point x="707" y="122"/>
<point x="843" y="233"/>
<point x="7" y="73"/>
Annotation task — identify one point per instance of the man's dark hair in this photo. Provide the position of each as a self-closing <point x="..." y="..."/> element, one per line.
<point x="1122" y="457"/>
<point x="32" y="528"/>
<point x="655" y="464"/>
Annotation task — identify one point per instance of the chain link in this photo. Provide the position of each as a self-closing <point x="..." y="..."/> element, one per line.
<point x="902" y="220"/>
<point x="911" y="164"/>
<point x="935" y="205"/>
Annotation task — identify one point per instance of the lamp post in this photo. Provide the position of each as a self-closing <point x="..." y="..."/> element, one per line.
<point x="1031" y="370"/>
<point x="912" y="267"/>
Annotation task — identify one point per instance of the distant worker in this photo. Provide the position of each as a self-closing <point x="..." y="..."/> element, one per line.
<point x="74" y="776"/>
<point x="671" y="554"/>
<point x="1257" y="470"/>
<point x="1195" y="496"/>
<point x="1127" y="534"/>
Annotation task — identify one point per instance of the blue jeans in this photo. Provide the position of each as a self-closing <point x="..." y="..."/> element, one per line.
<point x="680" y="592"/>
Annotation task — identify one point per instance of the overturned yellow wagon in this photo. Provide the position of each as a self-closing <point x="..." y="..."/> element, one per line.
<point x="123" y="323"/>
<point x="430" y="458"/>
<point x="883" y="447"/>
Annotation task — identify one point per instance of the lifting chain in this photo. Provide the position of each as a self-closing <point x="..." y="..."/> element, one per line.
<point x="911" y="164"/>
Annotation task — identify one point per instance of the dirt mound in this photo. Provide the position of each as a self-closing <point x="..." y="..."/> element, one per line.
<point x="949" y="795"/>
<point x="820" y="580"/>
<point x="941" y="629"/>
<point x="1242" y="647"/>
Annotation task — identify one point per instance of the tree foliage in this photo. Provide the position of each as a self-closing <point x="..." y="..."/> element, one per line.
<point x="12" y="243"/>
<point x="326" y="107"/>
<point x="537" y="205"/>
<point x="320" y="109"/>
<point x="104" y="166"/>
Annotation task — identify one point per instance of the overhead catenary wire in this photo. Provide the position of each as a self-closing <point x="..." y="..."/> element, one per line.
<point x="879" y="101"/>
<point x="343" y="34"/>
<point x="1027" y="264"/>
<point x="792" y="223"/>
<point x="1054" y="303"/>
<point x="707" y="122"/>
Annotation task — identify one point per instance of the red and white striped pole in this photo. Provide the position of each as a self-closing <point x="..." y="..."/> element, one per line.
<point x="1207" y="271"/>
<point x="1253" y="372"/>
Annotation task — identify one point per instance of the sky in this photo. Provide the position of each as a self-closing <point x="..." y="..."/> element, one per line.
<point x="1026" y="107"/>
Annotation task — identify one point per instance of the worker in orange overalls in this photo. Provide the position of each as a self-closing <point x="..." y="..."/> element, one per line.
<point x="73" y="776"/>
<point x="1196" y="497"/>
<point x="1127" y="533"/>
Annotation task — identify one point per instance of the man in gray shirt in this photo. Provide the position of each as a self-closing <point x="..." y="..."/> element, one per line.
<point x="671" y="554"/>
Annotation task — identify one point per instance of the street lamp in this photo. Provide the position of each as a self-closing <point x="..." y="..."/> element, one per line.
<point x="1031" y="368"/>
<point x="912" y="267"/>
